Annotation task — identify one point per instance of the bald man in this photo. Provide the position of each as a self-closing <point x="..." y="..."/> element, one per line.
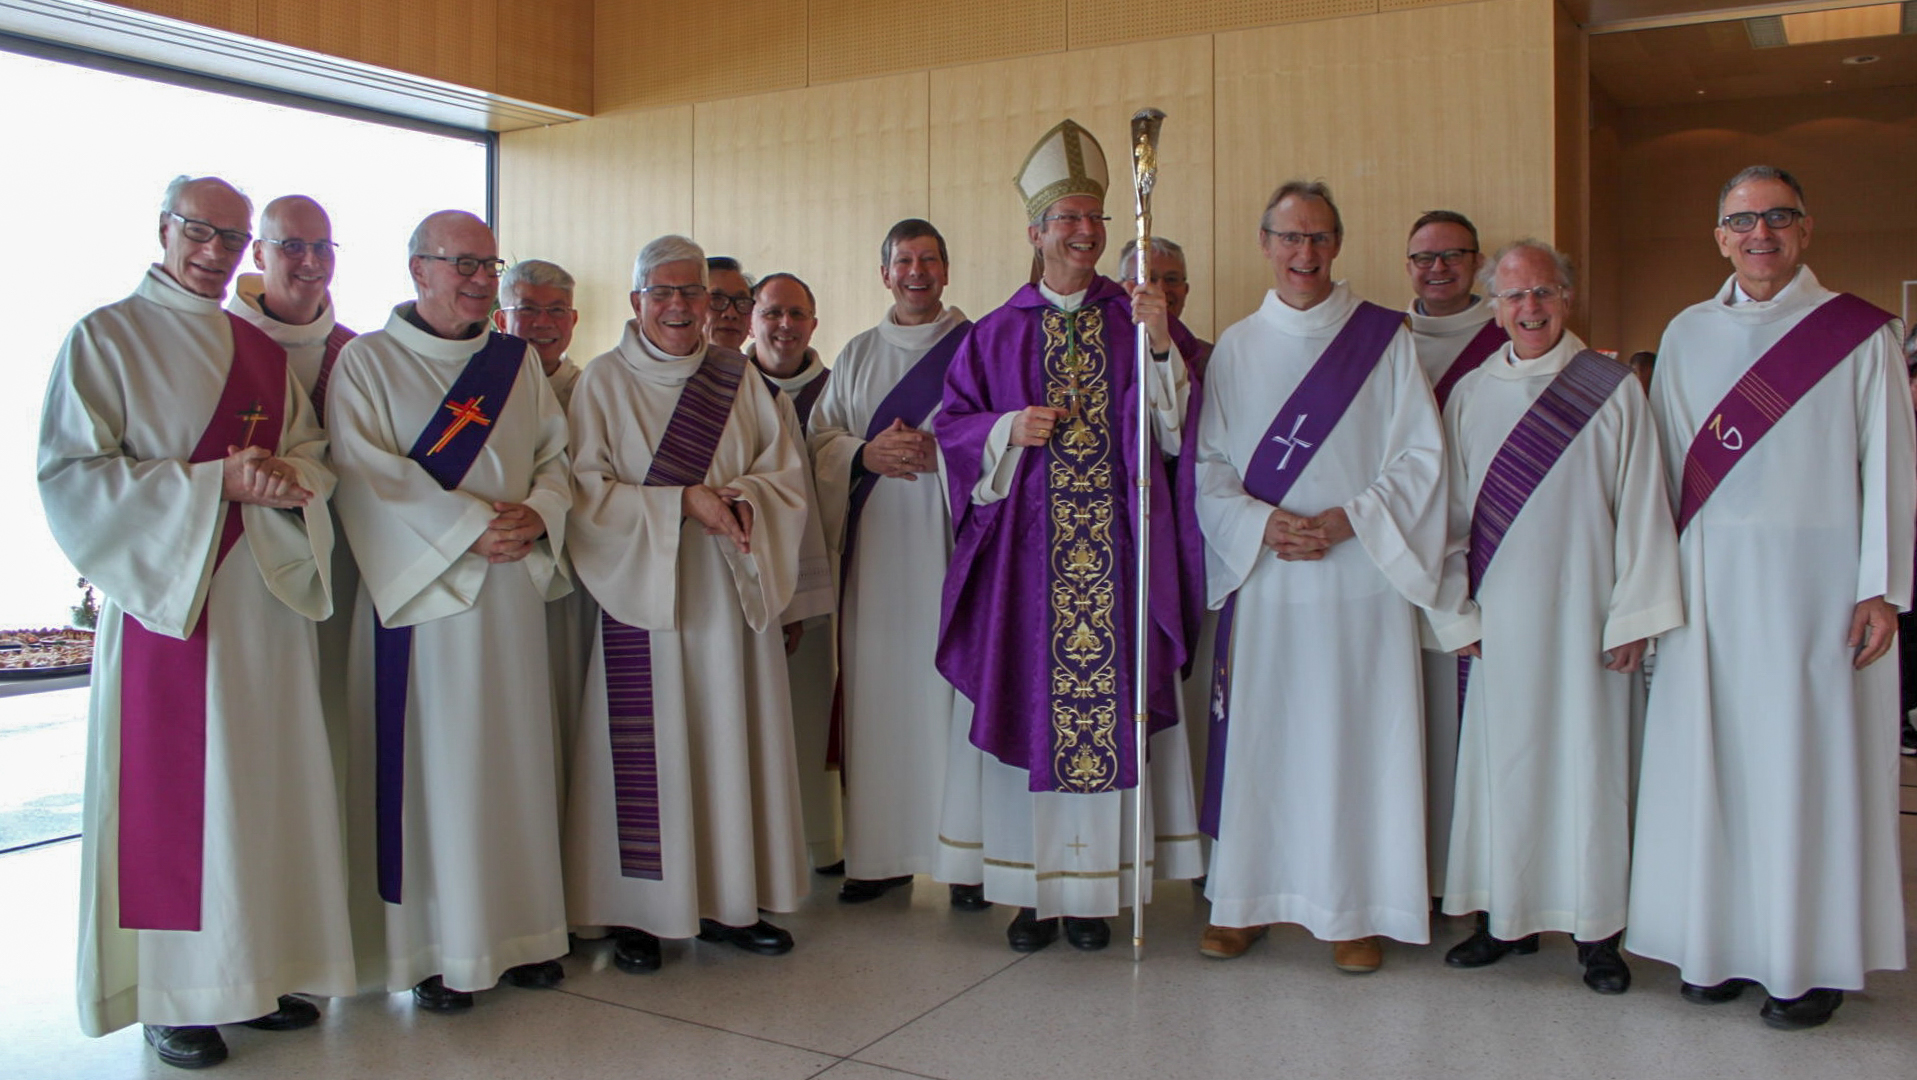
<point x="451" y="450"/>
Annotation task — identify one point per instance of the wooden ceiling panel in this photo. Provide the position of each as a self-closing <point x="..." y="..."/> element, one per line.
<point x="1715" y="62"/>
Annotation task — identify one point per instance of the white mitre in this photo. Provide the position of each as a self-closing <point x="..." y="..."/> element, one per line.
<point x="1066" y="161"/>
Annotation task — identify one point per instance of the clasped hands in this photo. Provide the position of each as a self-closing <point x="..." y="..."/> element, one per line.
<point x="253" y="475"/>
<point x="722" y="511"/>
<point x="901" y="453"/>
<point x="510" y="536"/>
<point x="1294" y="538"/>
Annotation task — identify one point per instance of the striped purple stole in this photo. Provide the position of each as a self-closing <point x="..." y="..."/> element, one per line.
<point x="1476" y="352"/>
<point x="1778" y="380"/>
<point x="684" y="454"/>
<point x="335" y="341"/>
<point x="446" y="449"/>
<point x="1303" y="423"/>
<point x="162" y="794"/>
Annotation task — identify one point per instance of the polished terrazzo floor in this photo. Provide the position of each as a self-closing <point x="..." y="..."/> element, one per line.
<point x="907" y="987"/>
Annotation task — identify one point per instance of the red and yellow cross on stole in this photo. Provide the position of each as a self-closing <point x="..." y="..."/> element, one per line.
<point x="253" y="415"/>
<point x="464" y="412"/>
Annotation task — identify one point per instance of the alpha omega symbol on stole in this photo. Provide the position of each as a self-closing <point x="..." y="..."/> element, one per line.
<point x="1731" y="438"/>
<point x="1292" y="441"/>
<point x="464" y="412"/>
<point x="253" y="415"/>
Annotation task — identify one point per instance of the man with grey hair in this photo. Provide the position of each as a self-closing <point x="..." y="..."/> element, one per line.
<point x="1318" y="430"/>
<point x="1767" y="830"/>
<point x="683" y="813"/>
<point x="212" y="868"/>
<point x="1166" y="269"/>
<point x="535" y="305"/>
<point x="1554" y="470"/>
<point x="451" y="450"/>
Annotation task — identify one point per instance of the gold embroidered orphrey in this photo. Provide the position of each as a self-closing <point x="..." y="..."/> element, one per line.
<point x="1084" y="594"/>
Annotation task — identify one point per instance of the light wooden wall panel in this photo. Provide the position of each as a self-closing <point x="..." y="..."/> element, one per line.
<point x="646" y="53"/>
<point x="986" y="117"/>
<point x="1400" y="113"/>
<point x="1112" y="22"/>
<point x="452" y="40"/>
<point x="808" y="181"/>
<point x="588" y="196"/>
<point x="851" y="39"/>
<point x="238" y="16"/>
<point x="1571" y="158"/>
<point x="545" y="52"/>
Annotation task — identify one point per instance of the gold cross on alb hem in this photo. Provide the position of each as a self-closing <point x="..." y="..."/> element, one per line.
<point x="1078" y="847"/>
<point x="465" y="412"/>
<point x="253" y="415"/>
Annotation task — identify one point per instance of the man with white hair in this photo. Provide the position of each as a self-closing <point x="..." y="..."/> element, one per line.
<point x="683" y="813"/>
<point x="1321" y="494"/>
<point x="182" y="470"/>
<point x="1563" y="564"/>
<point x="1767" y="830"/>
<point x="451" y="450"/>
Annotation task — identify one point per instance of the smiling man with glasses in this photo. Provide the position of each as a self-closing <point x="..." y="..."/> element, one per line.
<point x="1767" y="837"/>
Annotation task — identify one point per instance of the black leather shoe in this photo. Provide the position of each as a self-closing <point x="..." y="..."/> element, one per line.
<point x="1481" y="948"/>
<point x="1090" y="935"/>
<point x="970" y="898"/>
<point x="1604" y="970"/>
<point x="1728" y="990"/>
<point x="293" y="1014"/>
<point x="761" y="937"/>
<point x="635" y="952"/>
<point x="186" y="1047"/>
<point x="859" y="890"/>
<point x="836" y="869"/>
<point x="543" y="975"/>
<point x="1029" y="933"/>
<point x="1795" y="1014"/>
<point x="433" y="994"/>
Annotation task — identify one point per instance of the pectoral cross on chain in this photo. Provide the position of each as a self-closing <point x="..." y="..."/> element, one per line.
<point x="253" y="415"/>
<point x="1291" y="442"/>
<point x="465" y="412"/>
<point x="1073" y="392"/>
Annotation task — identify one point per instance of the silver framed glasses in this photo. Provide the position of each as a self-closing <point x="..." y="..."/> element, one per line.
<point x="296" y="248"/>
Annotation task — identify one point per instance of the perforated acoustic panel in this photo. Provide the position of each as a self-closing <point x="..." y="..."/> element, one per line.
<point x="588" y="196"/>
<point x="453" y="40"/>
<point x="648" y="53"/>
<point x="808" y="181"/>
<point x="985" y="118"/>
<point x="1402" y="5"/>
<point x="239" y="16"/>
<point x="853" y="39"/>
<point x="545" y="52"/>
<point x="1109" y="22"/>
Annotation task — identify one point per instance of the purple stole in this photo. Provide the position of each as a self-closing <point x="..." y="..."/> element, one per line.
<point x="162" y="808"/>
<point x="446" y="449"/>
<point x="1778" y="380"/>
<point x="1300" y="428"/>
<point x="681" y="460"/>
<point x="1476" y="351"/>
<point x="335" y="341"/>
<point x="808" y="396"/>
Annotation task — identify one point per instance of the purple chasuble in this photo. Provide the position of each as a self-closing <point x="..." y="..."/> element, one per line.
<point x="446" y="449"/>
<point x="684" y="454"/>
<point x="1475" y="352"/>
<point x="1303" y="423"/>
<point x="1035" y="624"/>
<point x="335" y="341"/>
<point x="163" y="693"/>
<point x="1778" y="380"/>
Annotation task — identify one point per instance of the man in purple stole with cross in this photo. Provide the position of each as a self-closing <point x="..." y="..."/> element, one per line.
<point x="1038" y="430"/>
<point x="683" y="810"/>
<point x="1321" y="494"/>
<point x="454" y="489"/>
<point x="1554" y="470"/>
<point x="1767" y="830"/>
<point x="182" y="470"/>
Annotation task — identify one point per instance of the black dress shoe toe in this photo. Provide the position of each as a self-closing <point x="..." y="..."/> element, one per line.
<point x="543" y="975"/>
<point x="635" y="952"/>
<point x="1604" y="969"/>
<point x="1481" y="948"/>
<point x="836" y="869"/>
<point x="970" y="898"/>
<point x="1814" y="1009"/>
<point x="186" y="1047"/>
<point x="433" y="994"/>
<point x="1728" y="990"/>
<point x="860" y="890"/>
<point x="761" y="937"/>
<point x="1029" y="933"/>
<point x="293" y="1013"/>
<point x="1090" y="935"/>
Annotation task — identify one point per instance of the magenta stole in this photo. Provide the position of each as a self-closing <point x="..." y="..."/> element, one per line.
<point x="1303" y="423"/>
<point x="335" y="341"/>
<point x="163" y="695"/>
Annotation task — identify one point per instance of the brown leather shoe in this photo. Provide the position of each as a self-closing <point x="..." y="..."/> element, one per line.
<point x="1360" y="957"/>
<point x="1227" y="942"/>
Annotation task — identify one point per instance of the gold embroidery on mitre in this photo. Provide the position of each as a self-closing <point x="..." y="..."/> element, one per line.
<point x="1084" y="593"/>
